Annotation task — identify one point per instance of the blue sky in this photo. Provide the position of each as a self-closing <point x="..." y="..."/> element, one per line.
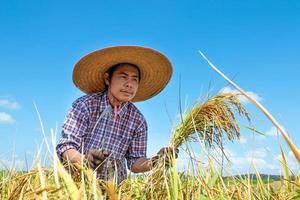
<point x="254" y="42"/>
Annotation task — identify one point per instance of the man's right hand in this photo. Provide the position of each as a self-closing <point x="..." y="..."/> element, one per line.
<point x="96" y="157"/>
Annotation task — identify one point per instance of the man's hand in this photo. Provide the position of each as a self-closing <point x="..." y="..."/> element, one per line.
<point x="145" y="164"/>
<point x="167" y="153"/>
<point x="96" y="157"/>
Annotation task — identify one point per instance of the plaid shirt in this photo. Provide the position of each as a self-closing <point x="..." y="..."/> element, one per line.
<point x="90" y="124"/>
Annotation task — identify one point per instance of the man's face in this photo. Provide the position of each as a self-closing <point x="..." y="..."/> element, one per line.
<point x="124" y="82"/>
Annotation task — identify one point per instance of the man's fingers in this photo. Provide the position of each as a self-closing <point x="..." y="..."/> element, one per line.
<point x="96" y="154"/>
<point x="105" y="153"/>
<point x="176" y="153"/>
<point x="96" y="157"/>
<point x="91" y="161"/>
<point x="168" y="151"/>
<point x="164" y="151"/>
<point x="100" y="155"/>
<point x="97" y="162"/>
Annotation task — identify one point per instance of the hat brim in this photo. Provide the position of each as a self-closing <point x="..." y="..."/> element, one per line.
<point x="156" y="69"/>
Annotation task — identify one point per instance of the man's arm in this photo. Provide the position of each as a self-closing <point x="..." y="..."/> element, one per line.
<point x="73" y="131"/>
<point x="73" y="156"/>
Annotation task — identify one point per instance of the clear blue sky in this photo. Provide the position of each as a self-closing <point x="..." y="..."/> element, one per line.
<point x="255" y="42"/>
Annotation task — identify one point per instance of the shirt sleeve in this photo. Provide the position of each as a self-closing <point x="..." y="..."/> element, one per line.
<point x="74" y="128"/>
<point x="138" y="147"/>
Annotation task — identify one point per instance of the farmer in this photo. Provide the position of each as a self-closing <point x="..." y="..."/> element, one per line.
<point x="104" y="127"/>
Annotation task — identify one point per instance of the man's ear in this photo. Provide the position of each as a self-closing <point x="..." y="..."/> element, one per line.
<point x="106" y="78"/>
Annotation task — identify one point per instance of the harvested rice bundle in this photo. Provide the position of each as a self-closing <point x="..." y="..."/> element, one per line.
<point x="211" y="121"/>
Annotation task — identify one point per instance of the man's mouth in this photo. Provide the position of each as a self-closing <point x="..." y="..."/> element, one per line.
<point x="127" y="92"/>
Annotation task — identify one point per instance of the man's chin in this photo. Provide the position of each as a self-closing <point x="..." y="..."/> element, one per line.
<point x="126" y="98"/>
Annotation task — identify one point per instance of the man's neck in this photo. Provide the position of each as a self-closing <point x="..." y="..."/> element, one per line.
<point x="113" y="100"/>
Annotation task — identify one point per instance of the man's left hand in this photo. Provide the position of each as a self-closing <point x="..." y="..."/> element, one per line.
<point x="167" y="153"/>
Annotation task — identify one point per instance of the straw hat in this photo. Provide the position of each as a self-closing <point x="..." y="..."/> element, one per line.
<point x="155" y="68"/>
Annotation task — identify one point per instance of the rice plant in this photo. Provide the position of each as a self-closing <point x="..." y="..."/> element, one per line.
<point x="211" y="122"/>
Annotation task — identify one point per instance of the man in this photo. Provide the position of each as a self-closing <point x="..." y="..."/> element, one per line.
<point x="104" y="126"/>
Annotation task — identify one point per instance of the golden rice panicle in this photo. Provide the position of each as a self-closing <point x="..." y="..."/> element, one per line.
<point x="211" y="120"/>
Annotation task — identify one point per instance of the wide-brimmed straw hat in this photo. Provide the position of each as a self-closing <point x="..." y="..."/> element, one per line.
<point x="156" y="69"/>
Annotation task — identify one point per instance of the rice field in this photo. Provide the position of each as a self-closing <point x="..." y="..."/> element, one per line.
<point x="209" y="124"/>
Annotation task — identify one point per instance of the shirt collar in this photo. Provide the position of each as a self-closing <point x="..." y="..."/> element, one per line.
<point x="105" y="104"/>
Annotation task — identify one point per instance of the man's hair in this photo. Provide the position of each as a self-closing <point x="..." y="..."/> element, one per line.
<point x="113" y="68"/>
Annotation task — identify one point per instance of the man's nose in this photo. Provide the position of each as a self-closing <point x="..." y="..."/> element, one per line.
<point x="129" y="84"/>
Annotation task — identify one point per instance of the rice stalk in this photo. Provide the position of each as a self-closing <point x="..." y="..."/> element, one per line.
<point x="111" y="190"/>
<point x="211" y="121"/>
<point x="42" y="181"/>
<point x="68" y="182"/>
<point x="288" y="140"/>
<point x="284" y="165"/>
